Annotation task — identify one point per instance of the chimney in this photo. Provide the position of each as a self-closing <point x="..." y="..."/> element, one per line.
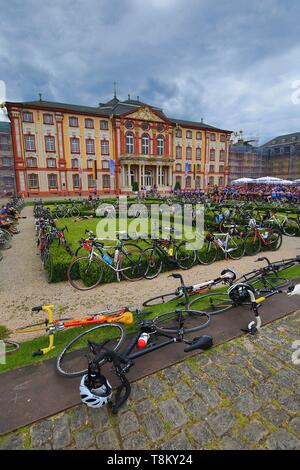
<point x="202" y="120"/>
<point x="128" y="96"/>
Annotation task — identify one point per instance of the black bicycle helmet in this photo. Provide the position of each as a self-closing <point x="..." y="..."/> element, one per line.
<point x="240" y="293"/>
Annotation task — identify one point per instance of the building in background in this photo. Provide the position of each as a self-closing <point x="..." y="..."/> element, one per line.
<point x="7" y="174"/>
<point x="245" y="161"/>
<point x="283" y="156"/>
<point x="118" y="146"/>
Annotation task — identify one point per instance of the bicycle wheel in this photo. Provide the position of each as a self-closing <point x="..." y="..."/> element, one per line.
<point x="72" y="361"/>
<point x="4" y="244"/>
<point x="213" y="303"/>
<point x="275" y="240"/>
<point x="162" y="299"/>
<point x="134" y="263"/>
<point x="269" y="283"/>
<point x="236" y="247"/>
<point x="85" y="273"/>
<point x="154" y="263"/>
<point x="208" y="253"/>
<point x="252" y="244"/>
<point x="74" y="212"/>
<point x="10" y="346"/>
<point x="48" y="266"/>
<point x="184" y="258"/>
<point x="290" y="227"/>
<point x="169" y="322"/>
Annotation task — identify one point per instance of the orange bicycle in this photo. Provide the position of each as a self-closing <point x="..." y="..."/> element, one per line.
<point x="51" y="326"/>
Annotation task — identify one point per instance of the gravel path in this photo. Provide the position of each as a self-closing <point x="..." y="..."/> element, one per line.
<point x="23" y="283"/>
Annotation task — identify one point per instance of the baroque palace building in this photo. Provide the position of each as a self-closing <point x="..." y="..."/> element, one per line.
<point x="116" y="147"/>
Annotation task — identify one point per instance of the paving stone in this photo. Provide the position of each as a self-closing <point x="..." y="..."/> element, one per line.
<point x="154" y="426"/>
<point x="13" y="442"/>
<point x="282" y="440"/>
<point x="100" y="417"/>
<point x="295" y="425"/>
<point x="196" y="407"/>
<point x="182" y="391"/>
<point x="178" y="442"/>
<point x="275" y="416"/>
<point x="201" y="434"/>
<point x="238" y="377"/>
<point x="84" y="439"/>
<point x="238" y="360"/>
<point x="108" y="440"/>
<point x="128" y="423"/>
<point x="78" y="418"/>
<point x="213" y="371"/>
<point x="41" y="433"/>
<point x="254" y="432"/>
<point x="173" y="412"/>
<point x="262" y="367"/>
<point x="155" y="385"/>
<point x="220" y="421"/>
<point x="228" y="387"/>
<point x="143" y="407"/>
<point x="61" y="433"/>
<point x="231" y="443"/>
<point x="266" y="391"/>
<point x="287" y="378"/>
<point x="138" y="392"/>
<point x="43" y="447"/>
<point x="290" y="403"/>
<point x="171" y="374"/>
<point x="246" y="403"/>
<point x="207" y="392"/>
<point x="137" y="441"/>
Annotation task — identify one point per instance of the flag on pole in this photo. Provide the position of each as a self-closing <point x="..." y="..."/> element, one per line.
<point x="112" y="167"/>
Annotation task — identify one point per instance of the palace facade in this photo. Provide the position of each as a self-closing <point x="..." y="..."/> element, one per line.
<point x="117" y="147"/>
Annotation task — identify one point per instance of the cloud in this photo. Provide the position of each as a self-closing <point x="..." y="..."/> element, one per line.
<point x="230" y="62"/>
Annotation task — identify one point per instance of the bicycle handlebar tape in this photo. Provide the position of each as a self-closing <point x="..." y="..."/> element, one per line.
<point x="200" y="342"/>
<point x="37" y="309"/>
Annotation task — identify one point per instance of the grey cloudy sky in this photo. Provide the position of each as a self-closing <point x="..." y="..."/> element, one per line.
<point x="231" y="62"/>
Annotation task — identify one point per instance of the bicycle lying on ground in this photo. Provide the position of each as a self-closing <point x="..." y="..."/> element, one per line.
<point x="9" y="346"/>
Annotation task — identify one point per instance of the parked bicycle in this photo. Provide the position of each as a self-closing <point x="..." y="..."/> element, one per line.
<point x="67" y="210"/>
<point x="261" y="237"/>
<point x="231" y="245"/>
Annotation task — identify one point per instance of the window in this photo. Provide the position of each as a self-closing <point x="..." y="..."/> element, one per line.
<point x="74" y="163"/>
<point x="90" y="146"/>
<point x="49" y="143"/>
<point x="129" y="124"/>
<point x="29" y="143"/>
<point x="199" y="135"/>
<point x="32" y="162"/>
<point x="106" y="181"/>
<point x="47" y="119"/>
<point x="178" y="151"/>
<point x="211" y="181"/>
<point x="213" y="137"/>
<point x="222" y="138"/>
<point x="221" y="180"/>
<point x="103" y="125"/>
<point x="198" y="153"/>
<point x="160" y="145"/>
<point x="89" y="163"/>
<point x="212" y="168"/>
<point x="222" y="156"/>
<point x="277" y="150"/>
<point x="91" y="181"/>
<point x="145" y="126"/>
<point x="197" y="182"/>
<point x="76" y="181"/>
<point x="178" y="179"/>
<point x="188" y="134"/>
<point x="105" y="164"/>
<point x="198" y="167"/>
<point x="75" y="148"/>
<point x="189" y="153"/>
<point x="52" y="181"/>
<point x="178" y="167"/>
<point x="129" y="142"/>
<point x="178" y="133"/>
<point x="104" y="147"/>
<point x="221" y="168"/>
<point x="188" y="182"/>
<point x="73" y="121"/>
<point x="89" y="123"/>
<point x="33" y="181"/>
<point x="145" y="144"/>
<point x="6" y="161"/>
<point x="51" y="163"/>
<point x="27" y="116"/>
<point x="286" y="150"/>
<point x="212" y="155"/>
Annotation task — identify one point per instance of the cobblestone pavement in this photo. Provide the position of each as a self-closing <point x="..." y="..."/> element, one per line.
<point x="244" y="394"/>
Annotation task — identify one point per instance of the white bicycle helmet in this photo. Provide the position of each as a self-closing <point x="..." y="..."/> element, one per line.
<point x="252" y="223"/>
<point x="95" y="397"/>
<point x="228" y="275"/>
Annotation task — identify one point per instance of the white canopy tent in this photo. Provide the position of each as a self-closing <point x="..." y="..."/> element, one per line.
<point x="243" y="181"/>
<point x="267" y="180"/>
<point x="286" y="182"/>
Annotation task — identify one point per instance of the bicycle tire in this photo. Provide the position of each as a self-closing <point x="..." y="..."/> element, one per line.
<point x="252" y="244"/>
<point x="76" y="357"/>
<point x="79" y="275"/>
<point x="275" y="240"/>
<point x="213" y="303"/>
<point x="171" y="321"/>
<point x="154" y="263"/>
<point x="10" y="346"/>
<point x="208" y="253"/>
<point x="290" y="227"/>
<point x="235" y="254"/>
<point x="162" y="299"/>
<point x="265" y="284"/>
<point x="135" y="260"/>
<point x="74" y="212"/>
<point x="4" y="244"/>
<point x="185" y="259"/>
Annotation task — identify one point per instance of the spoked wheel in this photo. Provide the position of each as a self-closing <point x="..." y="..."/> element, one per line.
<point x="290" y="227"/>
<point x="269" y="283"/>
<point x="161" y="299"/>
<point x="72" y="361"/>
<point x="185" y="258"/>
<point x="274" y="240"/>
<point x="84" y="273"/>
<point x="236" y="247"/>
<point x="169" y="322"/>
<point x="75" y="212"/>
<point x="207" y="253"/>
<point x="252" y="244"/>
<point x="10" y="346"/>
<point x="213" y="304"/>
<point x="48" y="266"/>
<point x="154" y="263"/>
<point x="4" y="244"/>
<point x="134" y="263"/>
